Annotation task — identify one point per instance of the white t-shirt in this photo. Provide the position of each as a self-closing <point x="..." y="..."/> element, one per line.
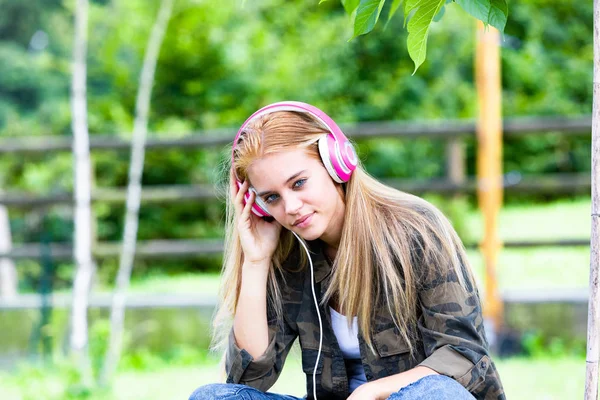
<point x="348" y="341"/>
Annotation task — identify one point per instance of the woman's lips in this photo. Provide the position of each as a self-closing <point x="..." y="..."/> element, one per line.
<point x="304" y="222"/>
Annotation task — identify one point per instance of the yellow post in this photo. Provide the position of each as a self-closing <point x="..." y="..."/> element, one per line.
<point x="489" y="163"/>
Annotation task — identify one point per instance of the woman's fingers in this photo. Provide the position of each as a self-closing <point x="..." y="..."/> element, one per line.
<point x="248" y="207"/>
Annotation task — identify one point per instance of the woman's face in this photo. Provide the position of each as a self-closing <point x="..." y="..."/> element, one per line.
<point x="300" y="194"/>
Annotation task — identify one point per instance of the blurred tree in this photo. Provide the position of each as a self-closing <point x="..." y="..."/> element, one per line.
<point x="134" y="192"/>
<point x="82" y="234"/>
<point x="28" y="75"/>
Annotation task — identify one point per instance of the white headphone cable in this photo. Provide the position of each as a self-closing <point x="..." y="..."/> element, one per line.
<point x="312" y="281"/>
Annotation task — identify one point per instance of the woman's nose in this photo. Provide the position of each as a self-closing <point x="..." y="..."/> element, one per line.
<point x="292" y="204"/>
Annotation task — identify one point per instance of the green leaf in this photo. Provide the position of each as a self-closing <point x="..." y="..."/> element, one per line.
<point x="349" y="5"/>
<point x="498" y="14"/>
<point x="395" y="5"/>
<point x="418" y="26"/>
<point x="367" y="15"/>
<point x="440" y="14"/>
<point x="490" y="12"/>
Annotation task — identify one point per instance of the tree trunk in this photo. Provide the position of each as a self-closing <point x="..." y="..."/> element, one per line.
<point x="134" y="190"/>
<point x="8" y="273"/>
<point x="82" y="172"/>
<point x="591" y="384"/>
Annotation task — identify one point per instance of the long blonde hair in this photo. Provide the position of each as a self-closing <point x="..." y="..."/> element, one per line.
<point x="389" y="239"/>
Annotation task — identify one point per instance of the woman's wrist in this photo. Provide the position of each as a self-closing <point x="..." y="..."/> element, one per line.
<point x="256" y="265"/>
<point x="255" y="271"/>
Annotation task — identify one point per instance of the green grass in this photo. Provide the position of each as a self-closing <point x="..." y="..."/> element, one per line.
<point x="558" y="220"/>
<point x="186" y="283"/>
<point x="203" y="283"/>
<point x="539" y="268"/>
<point x="561" y="378"/>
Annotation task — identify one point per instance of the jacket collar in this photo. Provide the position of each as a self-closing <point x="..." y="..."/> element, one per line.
<point x="317" y="254"/>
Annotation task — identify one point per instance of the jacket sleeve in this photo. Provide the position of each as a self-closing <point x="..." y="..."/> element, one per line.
<point x="260" y="373"/>
<point x="451" y="325"/>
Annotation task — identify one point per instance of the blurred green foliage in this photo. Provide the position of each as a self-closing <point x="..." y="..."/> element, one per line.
<point x="221" y="61"/>
<point x="536" y="345"/>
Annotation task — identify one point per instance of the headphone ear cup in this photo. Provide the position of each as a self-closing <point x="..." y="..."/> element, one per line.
<point x="325" y="152"/>
<point x="259" y="211"/>
<point x="259" y="208"/>
<point x="333" y="159"/>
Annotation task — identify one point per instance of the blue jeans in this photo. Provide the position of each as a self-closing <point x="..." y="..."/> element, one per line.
<point x="432" y="387"/>
<point x="226" y="391"/>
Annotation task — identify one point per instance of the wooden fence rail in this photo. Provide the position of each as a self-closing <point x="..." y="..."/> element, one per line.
<point x="207" y="302"/>
<point x="545" y="184"/>
<point x="188" y="248"/>
<point x="445" y="129"/>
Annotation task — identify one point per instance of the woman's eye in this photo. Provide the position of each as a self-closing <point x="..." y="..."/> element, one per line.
<point x="271" y="198"/>
<point x="274" y="197"/>
<point x="299" y="183"/>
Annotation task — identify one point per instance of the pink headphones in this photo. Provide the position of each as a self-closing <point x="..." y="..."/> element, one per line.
<point x="336" y="151"/>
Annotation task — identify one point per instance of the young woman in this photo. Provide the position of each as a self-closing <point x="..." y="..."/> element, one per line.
<point x="382" y="298"/>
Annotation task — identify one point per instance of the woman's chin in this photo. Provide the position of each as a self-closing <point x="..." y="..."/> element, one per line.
<point x="308" y="235"/>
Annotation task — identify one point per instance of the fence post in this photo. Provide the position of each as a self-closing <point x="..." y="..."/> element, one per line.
<point x="489" y="168"/>
<point x="455" y="161"/>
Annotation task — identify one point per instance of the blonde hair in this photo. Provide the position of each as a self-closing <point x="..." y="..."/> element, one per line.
<point x="390" y="239"/>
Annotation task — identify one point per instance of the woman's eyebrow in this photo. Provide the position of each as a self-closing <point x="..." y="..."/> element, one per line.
<point x="261" y="194"/>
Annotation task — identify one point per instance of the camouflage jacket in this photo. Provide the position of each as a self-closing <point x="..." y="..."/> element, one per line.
<point x="451" y="340"/>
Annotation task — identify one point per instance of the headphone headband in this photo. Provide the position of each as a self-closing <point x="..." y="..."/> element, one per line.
<point x="293" y="106"/>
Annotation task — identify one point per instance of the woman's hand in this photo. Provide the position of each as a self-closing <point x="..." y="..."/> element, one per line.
<point x="382" y="388"/>
<point x="258" y="237"/>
